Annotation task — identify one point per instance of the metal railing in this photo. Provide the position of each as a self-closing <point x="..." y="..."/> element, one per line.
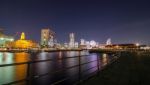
<point x="30" y="77"/>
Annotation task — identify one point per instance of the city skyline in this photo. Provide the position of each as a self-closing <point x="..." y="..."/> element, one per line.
<point x="122" y="21"/>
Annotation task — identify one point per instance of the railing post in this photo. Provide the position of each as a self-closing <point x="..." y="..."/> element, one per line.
<point x="28" y="74"/>
<point x="119" y="54"/>
<point x="98" y="69"/>
<point x="79" y="76"/>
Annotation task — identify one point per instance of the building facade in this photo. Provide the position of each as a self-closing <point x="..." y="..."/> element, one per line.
<point x="71" y="40"/>
<point x="47" y="38"/>
<point x="44" y="37"/>
<point x="108" y="42"/>
<point x="22" y="43"/>
<point x="5" y="40"/>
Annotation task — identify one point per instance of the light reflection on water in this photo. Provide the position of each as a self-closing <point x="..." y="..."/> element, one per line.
<point x="6" y="58"/>
<point x="12" y="73"/>
<point x="104" y="59"/>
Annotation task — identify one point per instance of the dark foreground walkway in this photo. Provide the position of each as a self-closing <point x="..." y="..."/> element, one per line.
<point x="130" y="69"/>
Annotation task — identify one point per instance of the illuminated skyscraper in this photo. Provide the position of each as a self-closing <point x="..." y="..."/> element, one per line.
<point x="72" y="40"/>
<point x="45" y="37"/>
<point x="108" y="42"/>
<point x="51" y="41"/>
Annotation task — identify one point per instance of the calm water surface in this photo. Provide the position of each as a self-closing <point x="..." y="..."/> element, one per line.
<point x="13" y="73"/>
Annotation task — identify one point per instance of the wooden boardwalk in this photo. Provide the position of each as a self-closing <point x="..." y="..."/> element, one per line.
<point x="130" y="69"/>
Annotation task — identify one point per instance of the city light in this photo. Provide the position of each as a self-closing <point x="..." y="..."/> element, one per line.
<point x="74" y="42"/>
<point x="137" y="44"/>
<point x="48" y="42"/>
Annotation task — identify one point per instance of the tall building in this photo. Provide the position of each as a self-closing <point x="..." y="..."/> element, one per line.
<point x="108" y="42"/>
<point x="44" y="37"/>
<point x="72" y="40"/>
<point x="51" y="41"/>
<point x="47" y="38"/>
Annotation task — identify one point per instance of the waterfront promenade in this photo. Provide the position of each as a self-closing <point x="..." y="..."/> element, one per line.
<point x="130" y="69"/>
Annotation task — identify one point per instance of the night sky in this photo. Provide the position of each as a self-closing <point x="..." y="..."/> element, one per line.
<point x="123" y="21"/>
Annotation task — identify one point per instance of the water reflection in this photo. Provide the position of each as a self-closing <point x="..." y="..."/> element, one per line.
<point x="20" y="70"/>
<point x="12" y="73"/>
<point x="72" y="54"/>
<point x="6" y="73"/>
<point x="105" y="59"/>
<point x="21" y="57"/>
<point x="6" y="58"/>
<point x="60" y="55"/>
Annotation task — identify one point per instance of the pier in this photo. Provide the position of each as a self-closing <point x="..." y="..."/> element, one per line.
<point x="129" y="69"/>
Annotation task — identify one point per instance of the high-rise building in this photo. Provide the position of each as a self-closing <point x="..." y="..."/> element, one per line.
<point x="47" y="38"/>
<point x="72" y="40"/>
<point x="108" y="42"/>
<point x="51" y="41"/>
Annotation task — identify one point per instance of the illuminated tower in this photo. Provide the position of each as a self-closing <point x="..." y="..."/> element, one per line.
<point x="22" y="37"/>
<point x="72" y="40"/>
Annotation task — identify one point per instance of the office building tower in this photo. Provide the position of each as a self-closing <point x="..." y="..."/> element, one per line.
<point x="108" y="42"/>
<point x="72" y="40"/>
<point x="47" y="38"/>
